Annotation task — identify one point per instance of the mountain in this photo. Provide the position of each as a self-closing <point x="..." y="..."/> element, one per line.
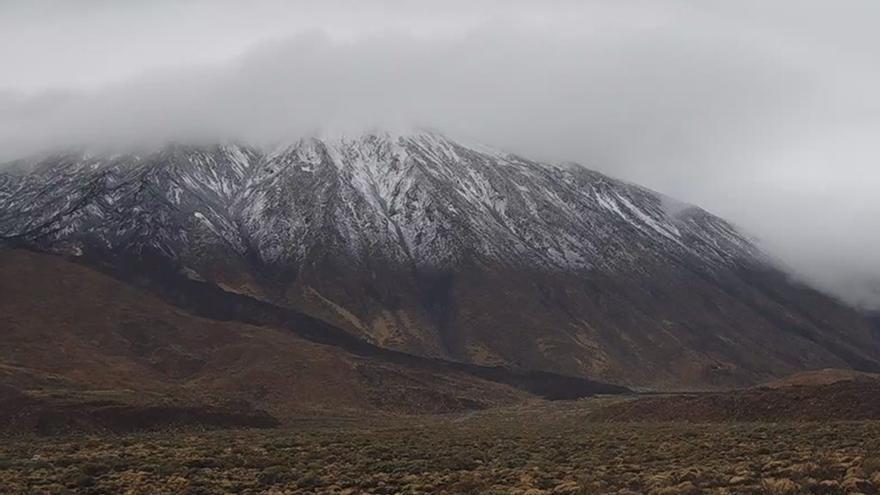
<point x="874" y="318"/>
<point x="424" y="244"/>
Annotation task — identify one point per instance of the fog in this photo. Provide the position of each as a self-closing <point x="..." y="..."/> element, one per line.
<point x="766" y="113"/>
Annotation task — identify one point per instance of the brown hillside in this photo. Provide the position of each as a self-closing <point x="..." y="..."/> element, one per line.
<point x="77" y="340"/>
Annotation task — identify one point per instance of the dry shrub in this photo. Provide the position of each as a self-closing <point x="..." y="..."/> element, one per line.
<point x="805" y="470"/>
<point x="779" y="486"/>
<point x="871" y="465"/>
<point x="828" y="467"/>
<point x="684" y="488"/>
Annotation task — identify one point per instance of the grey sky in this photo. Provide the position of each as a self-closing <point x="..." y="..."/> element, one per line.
<point x="765" y="112"/>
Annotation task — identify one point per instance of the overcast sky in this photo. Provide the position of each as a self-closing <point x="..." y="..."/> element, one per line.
<point x="764" y="112"/>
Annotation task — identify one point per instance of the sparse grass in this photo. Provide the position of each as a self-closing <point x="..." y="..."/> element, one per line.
<point x="544" y="449"/>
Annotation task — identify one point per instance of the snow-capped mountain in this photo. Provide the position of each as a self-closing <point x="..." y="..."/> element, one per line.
<point x="426" y="244"/>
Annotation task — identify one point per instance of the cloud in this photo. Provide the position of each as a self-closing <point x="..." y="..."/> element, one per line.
<point x="766" y="115"/>
<point x="617" y="90"/>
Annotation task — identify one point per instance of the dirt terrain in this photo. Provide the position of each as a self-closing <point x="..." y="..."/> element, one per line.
<point x="826" y="395"/>
<point x="825" y="376"/>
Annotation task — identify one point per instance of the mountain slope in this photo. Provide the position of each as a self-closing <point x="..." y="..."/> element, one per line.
<point x="424" y="244"/>
<point x="74" y="337"/>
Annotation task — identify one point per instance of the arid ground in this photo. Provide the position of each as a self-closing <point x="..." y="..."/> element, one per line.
<point x="540" y="448"/>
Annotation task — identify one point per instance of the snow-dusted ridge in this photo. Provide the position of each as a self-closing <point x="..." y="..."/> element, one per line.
<point x="417" y="198"/>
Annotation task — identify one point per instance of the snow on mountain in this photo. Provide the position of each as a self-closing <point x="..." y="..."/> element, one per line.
<point x="421" y="198"/>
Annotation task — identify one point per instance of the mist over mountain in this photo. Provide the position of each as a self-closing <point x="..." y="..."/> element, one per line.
<point x="765" y="118"/>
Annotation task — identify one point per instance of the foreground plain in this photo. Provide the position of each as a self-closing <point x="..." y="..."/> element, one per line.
<point x="535" y="449"/>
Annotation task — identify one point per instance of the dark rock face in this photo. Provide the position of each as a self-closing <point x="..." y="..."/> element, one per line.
<point x="433" y="247"/>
